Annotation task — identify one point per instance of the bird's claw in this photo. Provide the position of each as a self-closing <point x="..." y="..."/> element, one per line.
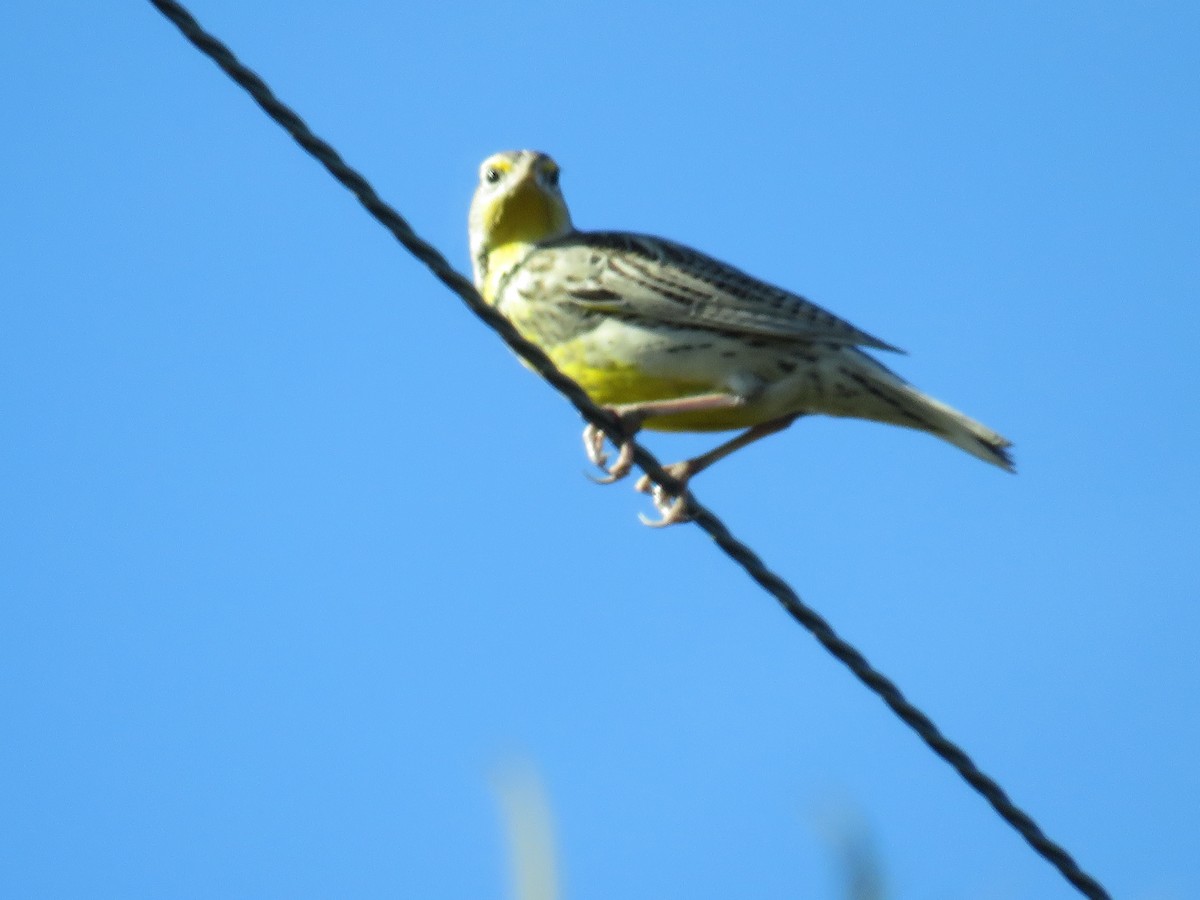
<point x="674" y="510"/>
<point x="619" y="469"/>
<point x="593" y="442"/>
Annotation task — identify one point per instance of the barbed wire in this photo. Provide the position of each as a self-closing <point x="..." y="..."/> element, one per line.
<point x="606" y="421"/>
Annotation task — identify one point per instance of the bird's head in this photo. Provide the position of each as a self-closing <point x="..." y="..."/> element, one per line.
<point x="518" y="201"/>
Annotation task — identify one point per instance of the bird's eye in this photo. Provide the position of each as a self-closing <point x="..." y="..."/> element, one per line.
<point x="492" y="175"/>
<point x="551" y="177"/>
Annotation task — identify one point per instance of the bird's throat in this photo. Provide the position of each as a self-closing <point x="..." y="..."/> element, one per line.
<point x="525" y="216"/>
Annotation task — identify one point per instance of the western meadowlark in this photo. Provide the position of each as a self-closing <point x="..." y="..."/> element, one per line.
<point x="673" y="340"/>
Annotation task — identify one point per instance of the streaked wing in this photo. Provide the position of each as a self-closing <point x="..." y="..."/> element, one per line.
<point x="663" y="281"/>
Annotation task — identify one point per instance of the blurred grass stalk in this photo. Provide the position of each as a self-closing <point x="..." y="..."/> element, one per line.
<point x="529" y="829"/>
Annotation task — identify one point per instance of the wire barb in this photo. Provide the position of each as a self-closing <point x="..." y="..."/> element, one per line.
<point x="611" y="426"/>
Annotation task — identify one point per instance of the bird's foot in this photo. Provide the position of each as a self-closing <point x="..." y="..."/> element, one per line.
<point x="593" y="443"/>
<point x="673" y="509"/>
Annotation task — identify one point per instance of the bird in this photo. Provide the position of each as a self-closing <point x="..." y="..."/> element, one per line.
<point x="671" y="339"/>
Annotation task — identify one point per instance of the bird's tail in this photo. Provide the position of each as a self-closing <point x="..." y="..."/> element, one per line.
<point x="896" y="401"/>
<point x="962" y="431"/>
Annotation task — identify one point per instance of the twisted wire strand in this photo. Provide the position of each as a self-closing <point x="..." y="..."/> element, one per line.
<point x="704" y="518"/>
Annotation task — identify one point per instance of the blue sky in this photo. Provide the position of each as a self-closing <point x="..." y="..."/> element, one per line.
<point x="293" y="553"/>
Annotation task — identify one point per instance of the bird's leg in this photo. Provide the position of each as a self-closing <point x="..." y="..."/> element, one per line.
<point x="674" y="508"/>
<point x="632" y="415"/>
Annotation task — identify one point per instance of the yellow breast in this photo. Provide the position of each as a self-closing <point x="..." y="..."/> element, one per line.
<point x="616" y="384"/>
